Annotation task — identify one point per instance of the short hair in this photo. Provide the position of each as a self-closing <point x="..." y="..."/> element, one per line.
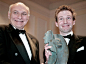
<point x="17" y="4"/>
<point x="64" y="7"/>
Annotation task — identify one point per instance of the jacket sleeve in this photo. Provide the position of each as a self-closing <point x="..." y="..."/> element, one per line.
<point x="2" y="48"/>
<point x="37" y="53"/>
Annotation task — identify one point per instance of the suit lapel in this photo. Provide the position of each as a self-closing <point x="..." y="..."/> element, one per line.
<point x="17" y="41"/>
<point x="73" y="47"/>
<point x="73" y="42"/>
<point x="32" y="44"/>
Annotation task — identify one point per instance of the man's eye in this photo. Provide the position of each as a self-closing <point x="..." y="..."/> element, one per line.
<point x="61" y="19"/>
<point x="24" y="13"/>
<point x="15" y="12"/>
<point x="68" y="18"/>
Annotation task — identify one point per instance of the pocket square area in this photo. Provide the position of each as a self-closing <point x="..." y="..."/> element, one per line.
<point x="81" y="48"/>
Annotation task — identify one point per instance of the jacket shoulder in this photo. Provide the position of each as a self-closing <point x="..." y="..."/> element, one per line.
<point x="3" y="27"/>
<point x="81" y="37"/>
<point x="33" y="38"/>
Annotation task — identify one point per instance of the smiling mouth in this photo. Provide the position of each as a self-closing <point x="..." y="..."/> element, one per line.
<point x="65" y="25"/>
<point x="18" y="21"/>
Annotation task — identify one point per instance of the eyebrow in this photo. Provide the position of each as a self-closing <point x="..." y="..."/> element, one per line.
<point x="17" y="11"/>
<point x="68" y="15"/>
<point x="62" y="16"/>
<point x="14" y="10"/>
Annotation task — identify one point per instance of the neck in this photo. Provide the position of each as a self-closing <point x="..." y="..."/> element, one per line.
<point x="17" y="28"/>
<point x="67" y="33"/>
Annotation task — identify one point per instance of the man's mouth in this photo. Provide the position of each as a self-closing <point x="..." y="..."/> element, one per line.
<point x="65" y="25"/>
<point x="18" y="21"/>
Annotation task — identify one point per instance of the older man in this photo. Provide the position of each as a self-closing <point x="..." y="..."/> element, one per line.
<point x="17" y="46"/>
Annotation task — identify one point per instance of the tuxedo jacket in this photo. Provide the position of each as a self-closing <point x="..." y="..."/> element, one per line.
<point x="77" y="50"/>
<point x="12" y="50"/>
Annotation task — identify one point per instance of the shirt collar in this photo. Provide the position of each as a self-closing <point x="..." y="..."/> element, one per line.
<point x="70" y="33"/>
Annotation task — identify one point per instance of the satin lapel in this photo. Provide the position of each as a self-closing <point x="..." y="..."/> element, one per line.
<point x="16" y="40"/>
<point x="73" y="46"/>
<point x="32" y="44"/>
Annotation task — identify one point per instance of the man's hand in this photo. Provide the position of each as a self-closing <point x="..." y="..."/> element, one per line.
<point x="47" y="52"/>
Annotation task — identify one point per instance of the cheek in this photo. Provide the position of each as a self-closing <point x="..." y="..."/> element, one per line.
<point x="60" y="23"/>
<point x="13" y="17"/>
<point x="71" y="24"/>
<point x="25" y="18"/>
<point x="25" y="21"/>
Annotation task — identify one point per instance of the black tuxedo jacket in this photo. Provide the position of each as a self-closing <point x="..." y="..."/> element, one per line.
<point x="12" y="51"/>
<point x="77" y="50"/>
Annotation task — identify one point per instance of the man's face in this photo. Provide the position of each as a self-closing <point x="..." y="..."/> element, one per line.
<point x="65" y="21"/>
<point x="18" y="16"/>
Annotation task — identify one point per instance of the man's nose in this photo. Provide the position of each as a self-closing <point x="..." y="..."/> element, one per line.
<point x="65" y="20"/>
<point x="19" y="16"/>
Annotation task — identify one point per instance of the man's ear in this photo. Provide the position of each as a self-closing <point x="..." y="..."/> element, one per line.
<point x="8" y="15"/>
<point x="74" y="22"/>
<point x="56" y="24"/>
<point x="28" y="17"/>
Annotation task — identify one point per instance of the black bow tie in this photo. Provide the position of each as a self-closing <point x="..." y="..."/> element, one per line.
<point x="68" y="36"/>
<point x="20" y="31"/>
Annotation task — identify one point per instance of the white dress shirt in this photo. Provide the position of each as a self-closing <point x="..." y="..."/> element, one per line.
<point x="25" y="42"/>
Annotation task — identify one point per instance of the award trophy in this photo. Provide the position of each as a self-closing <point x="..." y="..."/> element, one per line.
<point x="59" y="48"/>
